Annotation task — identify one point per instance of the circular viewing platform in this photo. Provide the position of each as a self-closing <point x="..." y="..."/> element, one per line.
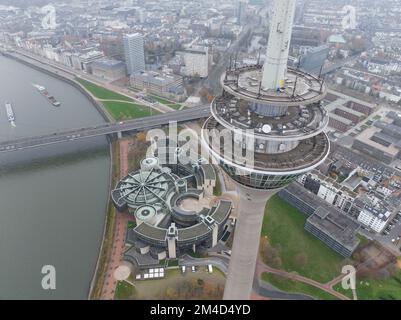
<point x="300" y="88"/>
<point x="299" y="122"/>
<point x="308" y="154"/>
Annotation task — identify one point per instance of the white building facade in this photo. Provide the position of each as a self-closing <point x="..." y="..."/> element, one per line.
<point x="373" y="218"/>
<point x="134" y="52"/>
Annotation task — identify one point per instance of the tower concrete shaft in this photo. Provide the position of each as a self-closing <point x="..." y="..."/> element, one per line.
<point x="275" y="67"/>
<point x="246" y="242"/>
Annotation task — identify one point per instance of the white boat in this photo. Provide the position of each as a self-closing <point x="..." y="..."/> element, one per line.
<point x="10" y="112"/>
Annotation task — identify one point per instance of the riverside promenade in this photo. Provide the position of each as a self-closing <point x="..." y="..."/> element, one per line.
<point x="120" y="231"/>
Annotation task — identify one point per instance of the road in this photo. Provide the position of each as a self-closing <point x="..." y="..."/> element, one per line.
<point x="213" y="80"/>
<point x="265" y="290"/>
<point x="140" y="124"/>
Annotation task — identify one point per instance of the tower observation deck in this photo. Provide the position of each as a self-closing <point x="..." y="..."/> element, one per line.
<point x="275" y="115"/>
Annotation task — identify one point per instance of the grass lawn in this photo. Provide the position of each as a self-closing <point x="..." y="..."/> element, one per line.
<point x="338" y="287"/>
<point x="284" y="227"/>
<point x="217" y="189"/>
<point x="363" y="239"/>
<point x="173" y="263"/>
<point x="296" y="287"/>
<point x="102" y="93"/>
<point x="175" y="106"/>
<point x="168" y="103"/>
<point x="124" y="291"/>
<point x="152" y="289"/>
<point x="127" y="110"/>
<point x="373" y="289"/>
<point x="131" y="224"/>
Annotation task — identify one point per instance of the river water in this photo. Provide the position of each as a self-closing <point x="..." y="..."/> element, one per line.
<point x="52" y="199"/>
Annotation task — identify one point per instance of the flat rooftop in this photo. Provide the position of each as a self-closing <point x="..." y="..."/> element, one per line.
<point x="222" y="211"/>
<point x="209" y="172"/>
<point x="327" y="217"/>
<point x="336" y="224"/>
<point x="365" y="137"/>
<point x="107" y="63"/>
<point x="346" y="121"/>
<point x="151" y="232"/>
<point x="193" y="232"/>
<point x="351" y="111"/>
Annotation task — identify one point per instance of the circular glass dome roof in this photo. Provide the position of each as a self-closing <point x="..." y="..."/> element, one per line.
<point x="145" y="188"/>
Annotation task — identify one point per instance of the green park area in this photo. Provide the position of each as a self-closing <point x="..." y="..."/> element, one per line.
<point x="128" y="110"/>
<point x="375" y="289"/>
<point x="286" y="245"/>
<point x="166" y="102"/>
<point x="217" y="191"/>
<point x="102" y="93"/>
<point x="124" y="290"/>
<point x="198" y="285"/>
<point x="293" y="248"/>
<point x="289" y="285"/>
<point x="119" y="106"/>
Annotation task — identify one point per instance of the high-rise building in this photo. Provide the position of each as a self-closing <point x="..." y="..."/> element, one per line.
<point x="134" y="53"/>
<point x="277" y="124"/>
<point x="241" y="12"/>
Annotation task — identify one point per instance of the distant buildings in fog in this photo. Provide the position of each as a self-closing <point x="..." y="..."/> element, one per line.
<point x="196" y="62"/>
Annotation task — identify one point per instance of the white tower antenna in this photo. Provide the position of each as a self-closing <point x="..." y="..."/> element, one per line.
<point x="275" y="67"/>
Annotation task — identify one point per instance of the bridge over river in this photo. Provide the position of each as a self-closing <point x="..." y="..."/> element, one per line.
<point x="105" y="129"/>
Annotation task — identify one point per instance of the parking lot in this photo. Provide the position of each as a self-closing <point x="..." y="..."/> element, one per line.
<point x="392" y="231"/>
<point x="391" y="235"/>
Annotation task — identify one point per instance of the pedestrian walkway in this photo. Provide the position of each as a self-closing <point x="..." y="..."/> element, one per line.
<point x="116" y="258"/>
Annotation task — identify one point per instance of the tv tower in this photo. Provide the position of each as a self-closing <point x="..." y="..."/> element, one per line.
<point x="278" y="112"/>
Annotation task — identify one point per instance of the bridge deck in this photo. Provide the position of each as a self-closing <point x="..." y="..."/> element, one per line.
<point x="105" y="129"/>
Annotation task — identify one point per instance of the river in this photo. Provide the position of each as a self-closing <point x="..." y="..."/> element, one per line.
<point x="52" y="199"/>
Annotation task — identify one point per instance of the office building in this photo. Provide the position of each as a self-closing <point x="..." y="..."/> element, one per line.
<point x="134" y="52"/>
<point x="108" y="69"/>
<point x="325" y="222"/>
<point x="167" y="85"/>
